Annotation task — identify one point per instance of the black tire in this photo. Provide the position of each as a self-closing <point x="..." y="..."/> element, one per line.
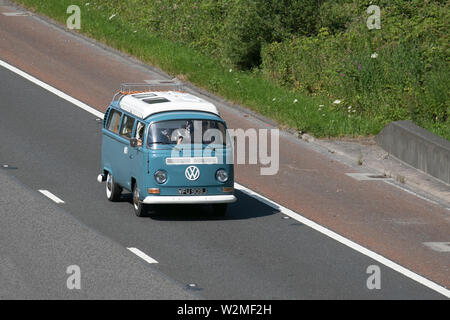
<point x="113" y="190"/>
<point x="220" y="209"/>
<point x="140" y="209"/>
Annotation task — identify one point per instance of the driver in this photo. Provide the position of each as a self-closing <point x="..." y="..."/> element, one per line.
<point x="183" y="134"/>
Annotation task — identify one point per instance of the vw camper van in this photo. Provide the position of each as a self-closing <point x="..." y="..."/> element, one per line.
<point x="166" y="146"/>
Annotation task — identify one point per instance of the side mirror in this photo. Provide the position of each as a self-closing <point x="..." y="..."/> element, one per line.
<point x="134" y="142"/>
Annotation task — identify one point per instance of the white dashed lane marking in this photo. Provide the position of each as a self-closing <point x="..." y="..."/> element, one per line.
<point x="51" y="196"/>
<point x="142" y="255"/>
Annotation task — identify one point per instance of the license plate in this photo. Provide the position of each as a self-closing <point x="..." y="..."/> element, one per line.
<point x="192" y="191"/>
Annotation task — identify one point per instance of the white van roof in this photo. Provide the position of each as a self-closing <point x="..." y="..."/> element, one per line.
<point x="145" y="104"/>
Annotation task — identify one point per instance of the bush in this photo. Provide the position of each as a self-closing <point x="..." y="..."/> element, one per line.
<point x="399" y="72"/>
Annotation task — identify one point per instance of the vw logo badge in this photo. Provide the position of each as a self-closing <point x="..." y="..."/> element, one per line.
<point x="192" y="173"/>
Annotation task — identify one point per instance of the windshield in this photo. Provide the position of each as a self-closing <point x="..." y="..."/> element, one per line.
<point x="179" y="132"/>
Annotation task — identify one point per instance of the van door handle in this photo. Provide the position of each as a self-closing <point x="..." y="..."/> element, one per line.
<point x="137" y="150"/>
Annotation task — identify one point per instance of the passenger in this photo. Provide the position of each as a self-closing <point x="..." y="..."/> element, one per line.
<point x="140" y="130"/>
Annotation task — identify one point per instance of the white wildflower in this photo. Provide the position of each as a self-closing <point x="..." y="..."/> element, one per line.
<point x="112" y="16"/>
<point x="374" y="55"/>
<point x="295" y="101"/>
<point x="337" y="101"/>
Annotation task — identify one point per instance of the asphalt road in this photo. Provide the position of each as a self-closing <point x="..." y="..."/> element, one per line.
<point x="44" y="246"/>
<point x="253" y="253"/>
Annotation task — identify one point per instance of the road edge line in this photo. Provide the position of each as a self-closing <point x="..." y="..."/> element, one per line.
<point x="142" y="255"/>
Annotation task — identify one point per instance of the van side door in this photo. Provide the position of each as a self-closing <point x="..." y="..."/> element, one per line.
<point x="123" y="158"/>
<point x="110" y="143"/>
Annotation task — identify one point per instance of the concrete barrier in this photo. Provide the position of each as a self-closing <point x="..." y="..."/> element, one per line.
<point x="417" y="147"/>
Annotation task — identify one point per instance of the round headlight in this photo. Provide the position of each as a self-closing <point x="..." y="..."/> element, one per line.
<point x="222" y="175"/>
<point x="160" y="176"/>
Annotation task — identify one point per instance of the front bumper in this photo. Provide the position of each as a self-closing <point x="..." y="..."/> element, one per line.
<point x="189" y="199"/>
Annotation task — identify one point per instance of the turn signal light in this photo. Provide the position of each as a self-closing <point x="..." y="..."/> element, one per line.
<point x="228" y="189"/>
<point x="153" y="190"/>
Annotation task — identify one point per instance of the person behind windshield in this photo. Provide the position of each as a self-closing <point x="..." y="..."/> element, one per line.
<point x="164" y="136"/>
<point x="182" y="134"/>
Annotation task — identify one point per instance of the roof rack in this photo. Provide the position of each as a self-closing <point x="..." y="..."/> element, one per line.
<point x="149" y="86"/>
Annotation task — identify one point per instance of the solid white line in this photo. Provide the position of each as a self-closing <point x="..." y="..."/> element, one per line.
<point x="53" y="90"/>
<point x="375" y="256"/>
<point x="408" y="273"/>
<point x="142" y="255"/>
<point x="50" y="195"/>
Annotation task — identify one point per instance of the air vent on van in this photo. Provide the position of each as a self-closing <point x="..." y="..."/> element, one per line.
<point x="144" y="95"/>
<point x="155" y="100"/>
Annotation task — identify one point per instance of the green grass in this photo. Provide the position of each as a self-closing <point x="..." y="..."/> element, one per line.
<point x="289" y="107"/>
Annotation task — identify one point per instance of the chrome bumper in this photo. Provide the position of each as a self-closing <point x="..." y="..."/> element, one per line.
<point x="189" y="199"/>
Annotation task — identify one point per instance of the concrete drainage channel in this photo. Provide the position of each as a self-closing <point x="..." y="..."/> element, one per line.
<point x="377" y="177"/>
<point x="368" y="176"/>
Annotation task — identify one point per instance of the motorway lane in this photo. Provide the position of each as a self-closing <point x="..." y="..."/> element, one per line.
<point x="253" y="253"/>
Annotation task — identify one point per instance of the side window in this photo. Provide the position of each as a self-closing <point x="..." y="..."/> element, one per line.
<point x="126" y="129"/>
<point x="114" y="121"/>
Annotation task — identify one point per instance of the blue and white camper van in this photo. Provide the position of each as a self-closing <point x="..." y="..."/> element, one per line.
<point x="166" y="146"/>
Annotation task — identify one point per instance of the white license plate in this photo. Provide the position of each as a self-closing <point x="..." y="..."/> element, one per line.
<point x="192" y="191"/>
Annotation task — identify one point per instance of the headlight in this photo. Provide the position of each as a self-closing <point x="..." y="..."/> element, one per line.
<point x="160" y="176"/>
<point x="222" y="175"/>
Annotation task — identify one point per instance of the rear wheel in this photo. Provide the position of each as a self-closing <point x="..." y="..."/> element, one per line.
<point x="140" y="209"/>
<point x="113" y="190"/>
<point x="220" y="209"/>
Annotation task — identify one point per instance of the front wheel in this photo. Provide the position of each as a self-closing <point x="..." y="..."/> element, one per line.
<point x="113" y="190"/>
<point x="140" y="209"/>
<point x="220" y="209"/>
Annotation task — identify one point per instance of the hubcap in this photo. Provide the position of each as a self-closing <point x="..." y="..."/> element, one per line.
<point x="109" y="182"/>
<point x="136" y="198"/>
<point x="109" y="185"/>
